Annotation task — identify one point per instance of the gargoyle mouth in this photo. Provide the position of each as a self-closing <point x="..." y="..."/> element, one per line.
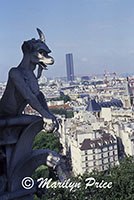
<point x="43" y="65"/>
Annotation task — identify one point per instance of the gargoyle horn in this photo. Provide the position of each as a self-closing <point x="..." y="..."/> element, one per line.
<point x="41" y="35"/>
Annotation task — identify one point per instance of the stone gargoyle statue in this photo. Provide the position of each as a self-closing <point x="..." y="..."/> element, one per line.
<point x="22" y="87"/>
<point x="18" y="130"/>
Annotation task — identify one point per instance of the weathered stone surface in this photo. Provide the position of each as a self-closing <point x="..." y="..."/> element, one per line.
<point x="27" y="167"/>
<point x="25" y="142"/>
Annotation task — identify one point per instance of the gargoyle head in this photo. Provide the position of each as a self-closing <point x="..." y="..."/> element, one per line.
<point x="38" y="52"/>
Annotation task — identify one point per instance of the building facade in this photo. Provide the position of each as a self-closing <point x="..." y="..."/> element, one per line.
<point x="70" y="67"/>
<point x="87" y="144"/>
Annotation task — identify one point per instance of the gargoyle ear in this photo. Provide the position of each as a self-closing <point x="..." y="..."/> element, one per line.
<point x="41" y="35"/>
<point x="27" y="47"/>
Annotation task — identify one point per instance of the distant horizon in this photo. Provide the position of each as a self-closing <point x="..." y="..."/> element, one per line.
<point x="125" y="75"/>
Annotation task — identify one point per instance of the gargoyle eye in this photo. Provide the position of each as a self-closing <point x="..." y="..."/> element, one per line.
<point x="41" y="51"/>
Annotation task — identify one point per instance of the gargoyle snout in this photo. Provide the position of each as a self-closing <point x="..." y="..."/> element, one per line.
<point x="52" y="61"/>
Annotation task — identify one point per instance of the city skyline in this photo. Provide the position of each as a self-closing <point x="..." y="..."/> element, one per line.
<point x="99" y="33"/>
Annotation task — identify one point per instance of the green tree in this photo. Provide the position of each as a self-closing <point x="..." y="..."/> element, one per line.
<point x="63" y="97"/>
<point x="61" y="111"/>
<point x="121" y="176"/>
<point x="47" y="141"/>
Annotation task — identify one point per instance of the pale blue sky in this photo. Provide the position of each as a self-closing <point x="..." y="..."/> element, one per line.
<point x="99" y="33"/>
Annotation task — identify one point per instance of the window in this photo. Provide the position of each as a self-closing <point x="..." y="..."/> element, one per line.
<point x="94" y="163"/>
<point x="93" y="157"/>
<point x="85" y="152"/>
<point x="114" y="158"/>
<point x="86" y="164"/>
<point x="102" y="155"/>
<point x="106" y="142"/>
<point x="93" y="150"/>
<point x="86" y="158"/>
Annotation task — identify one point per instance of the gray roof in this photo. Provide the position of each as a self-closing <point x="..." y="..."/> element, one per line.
<point x="113" y="102"/>
<point x="105" y="139"/>
<point x="93" y="106"/>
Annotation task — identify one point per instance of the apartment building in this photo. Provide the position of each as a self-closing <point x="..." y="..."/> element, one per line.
<point x="99" y="153"/>
<point x="87" y="144"/>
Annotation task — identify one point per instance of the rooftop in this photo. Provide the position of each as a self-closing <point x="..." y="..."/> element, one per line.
<point x="105" y="139"/>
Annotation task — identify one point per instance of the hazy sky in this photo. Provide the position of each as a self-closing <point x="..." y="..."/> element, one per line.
<point x="99" y="33"/>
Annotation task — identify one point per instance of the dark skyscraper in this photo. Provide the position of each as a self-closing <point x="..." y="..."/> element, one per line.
<point x="69" y="67"/>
